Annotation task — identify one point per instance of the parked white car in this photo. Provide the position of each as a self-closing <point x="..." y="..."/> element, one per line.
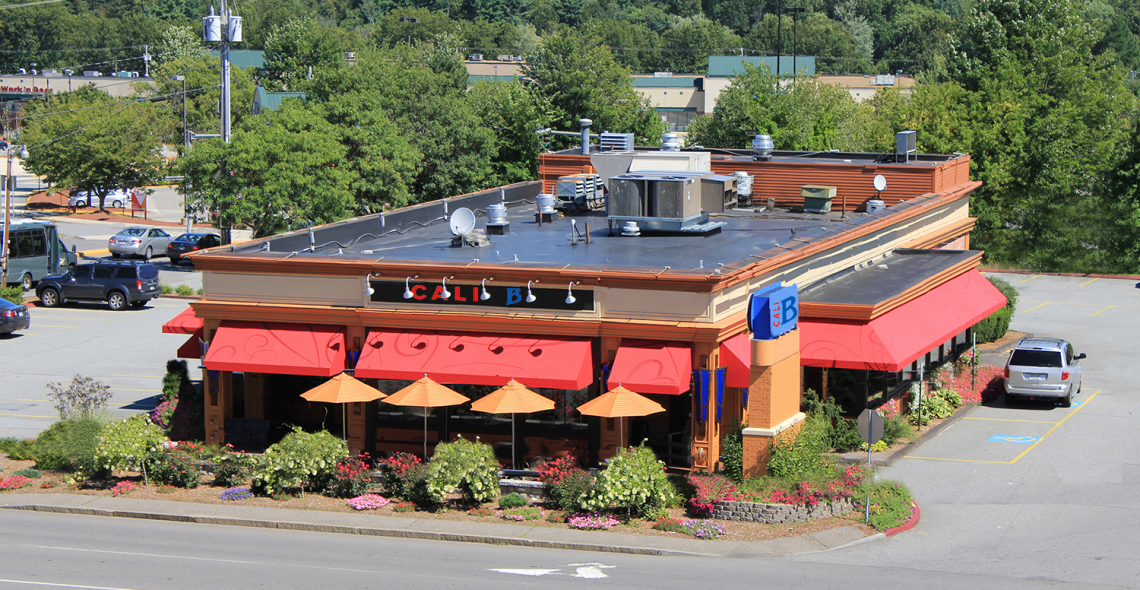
<point x="116" y="199"/>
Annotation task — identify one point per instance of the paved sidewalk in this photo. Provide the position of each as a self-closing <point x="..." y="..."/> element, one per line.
<point x="437" y="530"/>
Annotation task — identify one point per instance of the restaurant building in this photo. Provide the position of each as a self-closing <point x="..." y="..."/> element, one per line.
<point x="479" y="289"/>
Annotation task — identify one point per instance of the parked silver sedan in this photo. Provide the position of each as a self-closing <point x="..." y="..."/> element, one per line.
<point x="138" y="240"/>
<point x="1043" y="367"/>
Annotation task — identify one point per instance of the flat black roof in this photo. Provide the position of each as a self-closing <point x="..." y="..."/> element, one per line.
<point x="422" y="234"/>
<point x="885" y="278"/>
<point x="827" y="156"/>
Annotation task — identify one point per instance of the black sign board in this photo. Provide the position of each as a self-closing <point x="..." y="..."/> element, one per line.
<point x="473" y="295"/>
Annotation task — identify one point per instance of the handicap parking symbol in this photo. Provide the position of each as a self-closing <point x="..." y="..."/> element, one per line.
<point x="1010" y="438"/>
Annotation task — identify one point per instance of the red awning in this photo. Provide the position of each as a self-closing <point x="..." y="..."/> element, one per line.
<point x="288" y="349"/>
<point x="892" y="341"/>
<point x="648" y="366"/>
<point x="183" y="323"/>
<point x="192" y="348"/>
<point x="736" y="354"/>
<point x="477" y="359"/>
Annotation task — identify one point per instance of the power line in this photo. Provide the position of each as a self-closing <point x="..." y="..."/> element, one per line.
<point x="28" y="4"/>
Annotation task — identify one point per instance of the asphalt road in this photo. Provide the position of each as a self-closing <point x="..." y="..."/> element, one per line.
<point x="125" y="350"/>
<point x="1036" y="491"/>
<point x="55" y="550"/>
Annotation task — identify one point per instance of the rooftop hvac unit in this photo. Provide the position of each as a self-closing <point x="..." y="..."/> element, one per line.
<point x="92" y="73"/>
<point x="475" y="56"/>
<point x="579" y="192"/>
<point x="884" y="80"/>
<point x="616" y="142"/>
<point x="662" y="74"/>
<point x="664" y="202"/>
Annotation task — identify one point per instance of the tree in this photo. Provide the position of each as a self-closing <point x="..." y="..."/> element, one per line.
<point x="690" y="43"/>
<point x="800" y="114"/>
<point x="296" y="48"/>
<point x="282" y="169"/>
<point x="513" y="111"/>
<point x="633" y="46"/>
<point x="202" y="94"/>
<point x="580" y="79"/>
<point x="417" y="89"/>
<point x="829" y="41"/>
<point x="180" y="43"/>
<point x="93" y="142"/>
<point x="1045" y="117"/>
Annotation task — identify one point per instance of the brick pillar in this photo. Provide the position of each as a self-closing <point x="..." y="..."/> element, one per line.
<point x="773" y="398"/>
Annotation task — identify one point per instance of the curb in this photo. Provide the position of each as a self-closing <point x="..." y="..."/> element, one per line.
<point x="909" y="524"/>
<point x="874" y="537"/>
<point x="347" y="530"/>
<point x="929" y="434"/>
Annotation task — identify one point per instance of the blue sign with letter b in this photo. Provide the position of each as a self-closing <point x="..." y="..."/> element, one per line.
<point x="773" y="311"/>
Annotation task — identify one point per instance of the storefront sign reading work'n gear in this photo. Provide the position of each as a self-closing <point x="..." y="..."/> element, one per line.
<point x="432" y="293"/>
<point x="773" y="311"/>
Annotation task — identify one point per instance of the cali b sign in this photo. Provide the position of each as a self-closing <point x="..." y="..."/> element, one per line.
<point x="773" y="311"/>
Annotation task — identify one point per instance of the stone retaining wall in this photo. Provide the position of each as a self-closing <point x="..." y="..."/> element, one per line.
<point x="531" y="489"/>
<point x="780" y="513"/>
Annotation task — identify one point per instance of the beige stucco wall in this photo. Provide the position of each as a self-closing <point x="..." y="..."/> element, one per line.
<point x="673" y="97"/>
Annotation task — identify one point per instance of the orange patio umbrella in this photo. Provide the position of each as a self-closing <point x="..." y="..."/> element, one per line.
<point x="343" y="389"/>
<point x="512" y="398"/>
<point x="620" y="403"/>
<point x="426" y="393"/>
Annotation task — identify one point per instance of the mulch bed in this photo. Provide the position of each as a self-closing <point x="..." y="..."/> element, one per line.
<point x="207" y="494"/>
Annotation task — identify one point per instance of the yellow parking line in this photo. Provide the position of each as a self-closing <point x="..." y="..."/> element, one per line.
<point x="147" y="376"/>
<point x="1104" y="310"/>
<point x="1033" y="308"/>
<point x="1030" y="279"/>
<point x="56" y="317"/>
<point x="1087" y="282"/>
<point x="30" y="416"/>
<point x="1055" y="427"/>
<point x="39" y="325"/>
<point x="1010" y="420"/>
<point x="146" y="390"/>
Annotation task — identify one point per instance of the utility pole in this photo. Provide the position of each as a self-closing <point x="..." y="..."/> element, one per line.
<point x="779" y="43"/>
<point x="146" y="61"/>
<point x="225" y="51"/>
<point x="794" y="10"/>
<point x="186" y="143"/>
<point x="8" y="211"/>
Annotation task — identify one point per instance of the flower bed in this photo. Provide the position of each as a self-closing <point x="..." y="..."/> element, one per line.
<point x="592" y="521"/>
<point x="368" y="502"/>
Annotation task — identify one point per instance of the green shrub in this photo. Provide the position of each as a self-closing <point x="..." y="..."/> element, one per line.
<point x="896" y="428"/>
<point x="13" y="294"/>
<point x="800" y="454"/>
<point x="83" y="398"/>
<point x="846" y="436"/>
<point x="469" y="468"/>
<point x="633" y="481"/>
<point x="997" y="324"/>
<point x="732" y="454"/>
<point x="1008" y="290"/>
<point x="133" y="443"/>
<point x="513" y="500"/>
<point x="69" y="445"/>
<point x="29" y="473"/>
<point x="231" y="470"/>
<point x="184" y="290"/>
<point x="300" y="459"/>
<point x="176" y="469"/>
<point x="167" y="289"/>
<point x="176" y="381"/>
<point x="19" y="450"/>
<point x="403" y="477"/>
<point x="890" y="504"/>
<point x="351" y="478"/>
<point x="571" y="490"/>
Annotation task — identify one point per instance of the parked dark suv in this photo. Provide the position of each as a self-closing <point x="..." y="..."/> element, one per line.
<point x="119" y="283"/>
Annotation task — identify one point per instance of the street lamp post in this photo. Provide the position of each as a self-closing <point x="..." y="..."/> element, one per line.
<point x="8" y="210"/>
<point x="794" y="10"/>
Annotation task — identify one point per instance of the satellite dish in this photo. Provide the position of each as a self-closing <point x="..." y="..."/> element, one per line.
<point x="462" y="222"/>
<point x="880" y="182"/>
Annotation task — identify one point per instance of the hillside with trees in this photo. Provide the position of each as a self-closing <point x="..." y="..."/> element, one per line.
<point x="1041" y="94"/>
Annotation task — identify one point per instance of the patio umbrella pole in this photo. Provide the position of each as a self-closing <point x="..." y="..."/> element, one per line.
<point x="425" y="434"/>
<point x="344" y="422"/>
<point x="513" y="441"/>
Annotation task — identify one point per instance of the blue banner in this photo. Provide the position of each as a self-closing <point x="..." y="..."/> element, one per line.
<point x="720" y="375"/>
<point x="701" y="379"/>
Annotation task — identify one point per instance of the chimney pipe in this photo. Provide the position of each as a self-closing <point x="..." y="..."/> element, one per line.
<point x="585" y="123"/>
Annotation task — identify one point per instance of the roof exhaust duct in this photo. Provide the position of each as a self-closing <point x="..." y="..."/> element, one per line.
<point x="585" y="123"/>
<point x="670" y="142"/>
<point x="762" y="147"/>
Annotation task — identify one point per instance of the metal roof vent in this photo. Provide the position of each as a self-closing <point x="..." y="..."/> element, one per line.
<point x="670" y="142"/>
<point x="630" y="230"/>
<point x="762" y="147"/>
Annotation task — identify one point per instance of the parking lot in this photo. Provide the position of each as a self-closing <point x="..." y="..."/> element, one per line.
<point x="1053" y="491"/>
<point x="125" y="350"/>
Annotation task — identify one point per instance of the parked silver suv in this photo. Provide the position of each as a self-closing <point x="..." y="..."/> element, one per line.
<point x="1043" y="367"/>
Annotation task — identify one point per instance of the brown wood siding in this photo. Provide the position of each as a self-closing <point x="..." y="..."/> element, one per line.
<point x="782" y="180"/>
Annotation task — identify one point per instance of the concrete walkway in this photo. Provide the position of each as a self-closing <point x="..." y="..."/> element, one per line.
<point x="436" y="530"/>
